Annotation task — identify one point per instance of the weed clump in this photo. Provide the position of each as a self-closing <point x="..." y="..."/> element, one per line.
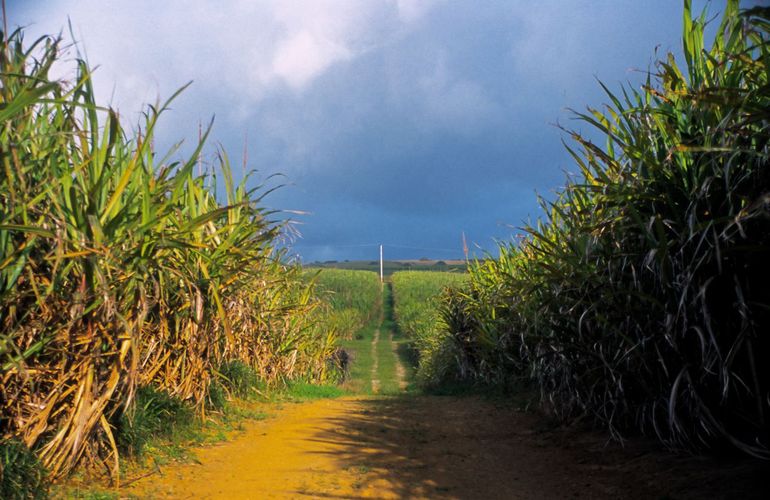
<point x="22" y="475"/>
<point x="154" y="414"/>
<point x="241" y="379"/>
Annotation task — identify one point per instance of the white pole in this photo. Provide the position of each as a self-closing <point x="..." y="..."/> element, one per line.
<point x="382" y="278"/>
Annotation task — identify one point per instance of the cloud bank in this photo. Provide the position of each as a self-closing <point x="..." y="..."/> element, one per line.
<point x="398" y="121"/>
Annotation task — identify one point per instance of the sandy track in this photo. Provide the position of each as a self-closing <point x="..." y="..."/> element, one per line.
<point x="433" y="447"/>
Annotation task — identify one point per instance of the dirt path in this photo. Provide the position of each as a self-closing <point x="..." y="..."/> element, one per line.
<point x="419" y="446"/>
<point x="375" y="362"/>
<point x="434" y="447"/>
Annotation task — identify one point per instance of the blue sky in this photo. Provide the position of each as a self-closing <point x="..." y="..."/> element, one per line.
<point x="402" y="122"/>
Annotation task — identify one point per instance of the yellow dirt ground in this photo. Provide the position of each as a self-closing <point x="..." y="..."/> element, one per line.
<point x="448" y="447"/>
<point x="289" y="456"/>
<point x="409" y="447"/>
<point x="435" y="447"/>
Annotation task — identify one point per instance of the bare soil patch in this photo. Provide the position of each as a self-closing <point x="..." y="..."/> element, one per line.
<point x="440" y="447"/>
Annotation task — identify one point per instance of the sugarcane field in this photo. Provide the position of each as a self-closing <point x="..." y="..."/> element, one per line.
<point x="387" y="249"/>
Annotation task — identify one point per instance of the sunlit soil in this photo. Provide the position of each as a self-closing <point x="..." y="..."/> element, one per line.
<point x="399" y="444"/>
<point x="436" y="447"/>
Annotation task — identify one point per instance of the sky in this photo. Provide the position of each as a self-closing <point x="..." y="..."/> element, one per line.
<point x="406" y="123"/>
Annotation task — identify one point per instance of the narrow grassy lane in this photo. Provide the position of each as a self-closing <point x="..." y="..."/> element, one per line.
<point x="383" y="441"/>
<point x="389" y="364"/>
<point x="377" y="352"/>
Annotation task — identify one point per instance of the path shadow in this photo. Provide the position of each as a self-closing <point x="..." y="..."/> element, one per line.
<point x="403" y="447"/>
<point x="468" y="447"/>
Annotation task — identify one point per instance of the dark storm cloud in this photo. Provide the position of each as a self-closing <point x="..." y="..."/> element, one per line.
<point x="401" y="122"/>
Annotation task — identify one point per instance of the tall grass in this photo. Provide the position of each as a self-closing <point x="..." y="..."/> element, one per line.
<point x="354" y="298"/>
<point x="120" y="268"/>
<point x="641" y="298"/>
<point x="416" y="296"/>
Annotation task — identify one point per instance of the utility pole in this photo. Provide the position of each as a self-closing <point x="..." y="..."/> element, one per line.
<point x="382" y="278"/>
<point x="465" y="249"/>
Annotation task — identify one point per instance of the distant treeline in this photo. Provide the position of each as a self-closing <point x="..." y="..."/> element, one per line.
<point x="392" y="266"/>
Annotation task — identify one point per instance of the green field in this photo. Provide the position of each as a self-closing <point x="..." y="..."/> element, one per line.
<point x="392" y="266"/>
<point x="416" y="297"/>
<point x="379" y="361"/>
<point x="354" y="298"/>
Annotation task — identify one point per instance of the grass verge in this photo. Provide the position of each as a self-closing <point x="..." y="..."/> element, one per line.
<point x="359" y="349"/>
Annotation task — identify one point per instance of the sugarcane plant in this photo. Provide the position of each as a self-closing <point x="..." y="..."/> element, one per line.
<point x="640" y="298"/>
<point x="121" y="268"/>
